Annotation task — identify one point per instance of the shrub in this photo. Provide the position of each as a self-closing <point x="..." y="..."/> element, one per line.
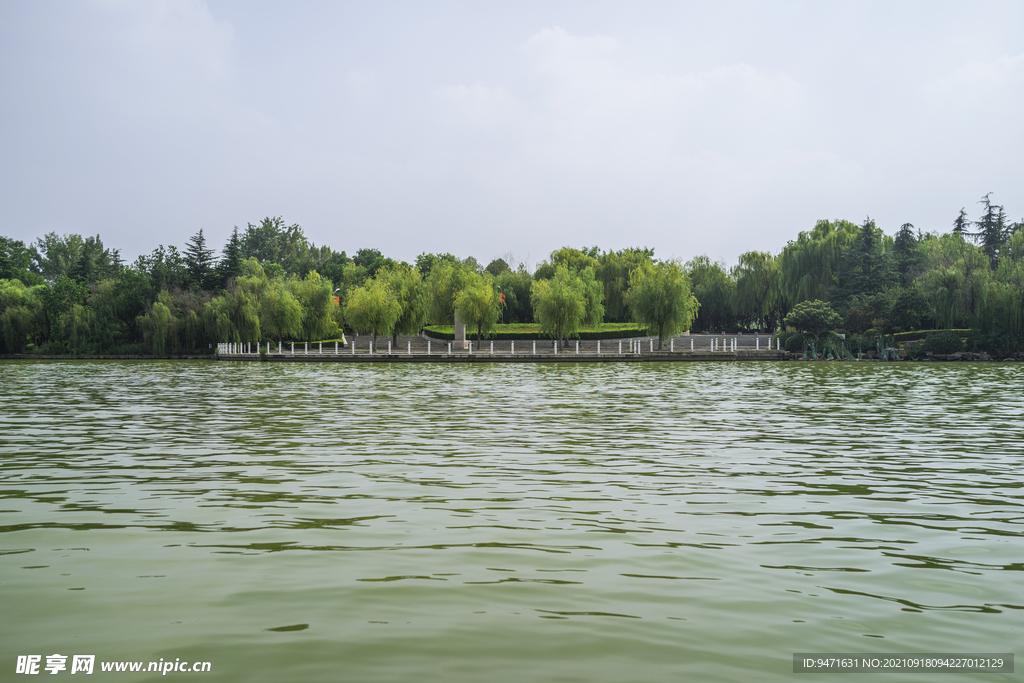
<point x="860" y="343"/>
<point x="998" y="344"/>
<point x="943" y="342"/>
<point x="795" y="342"/>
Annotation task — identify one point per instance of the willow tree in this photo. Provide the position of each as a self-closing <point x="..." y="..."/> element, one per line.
<point x="407" y="286"/>
<point x="234" y="316"/>
<point x="567" y="301"/>
<point x="757" y="286"/>
<point x="660" y="296"/>
<point x="613" y="272"/>
<point x="444" y="283"/>
<point x="373" y="308"/>
<point x="956" y="281"/>
<point x="280" y="312"/>
<point x="477" y="304"/>
<point x="20" y="311"/>
<point x="313" y="293"/>
<point x="809" y="267"/>
<point x="159" y="326"/>
<point x="715" y="289"/>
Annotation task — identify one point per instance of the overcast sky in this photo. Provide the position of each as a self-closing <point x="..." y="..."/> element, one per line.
<point x="487" y="128"/>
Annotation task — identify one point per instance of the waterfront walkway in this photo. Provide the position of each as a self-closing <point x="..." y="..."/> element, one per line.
<point x="421" y="349"/>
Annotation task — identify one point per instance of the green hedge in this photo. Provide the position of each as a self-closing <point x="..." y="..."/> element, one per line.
<point x="527" y="332"/>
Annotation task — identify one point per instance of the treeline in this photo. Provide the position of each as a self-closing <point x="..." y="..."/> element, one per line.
<point x="71" y="294"/>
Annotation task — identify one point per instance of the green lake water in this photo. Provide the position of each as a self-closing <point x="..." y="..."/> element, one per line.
<point x="449" y="523"/>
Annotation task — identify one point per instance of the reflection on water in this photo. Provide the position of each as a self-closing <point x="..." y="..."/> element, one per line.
<point x="549" y="523"/>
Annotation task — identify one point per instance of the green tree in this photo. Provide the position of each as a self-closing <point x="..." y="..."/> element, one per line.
<point x="813" y="316"/>
<point x="160" y="327"/>
<point x="477" y="304"/>
<point x="757" y="287"/>
<point x="314" y="296"/>
<point x="199" y="262"/>
<point x="907" y="254"/>
<point x="956" y="281"/>
<point x="55" y="255"/>
<point x="444" y="283"/>
<point x="407" y="287"/>
<point x="234" y="316"/>
<point x="373" y="308"/>
<point x="866" y="266"/>
<point x="497" y="267"/>
<point x="333" y="268"/>
<point x="280" y="312"/>
<point x="165" y="267"/>
<point x="962" y="224"/>
<point x="515" y="285"/>
<point x="992" y="233"/>
<point x="809" y="267"/>
<point x="20" y="314"/>
<point x="271" y="241"/>
<point x="715" y="289"/>
<point x="15" y="261"/>
<point x="372" y="260"/>
<point x="613" y="271"/>
<point x="230" y="264"/>
<point x="425" y="262"/>
<point x="567" y="301"/>
<point x="660" y="297"/>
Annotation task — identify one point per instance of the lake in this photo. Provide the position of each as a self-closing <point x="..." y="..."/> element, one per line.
<point x="592" y="522"/>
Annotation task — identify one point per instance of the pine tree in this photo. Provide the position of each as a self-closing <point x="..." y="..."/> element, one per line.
<point x="231" y="262"/>
<point x="991" y="234"/>
<point x="905" y="249"/>
<point x="199" y="260"/>
<point x="961" y="223"/>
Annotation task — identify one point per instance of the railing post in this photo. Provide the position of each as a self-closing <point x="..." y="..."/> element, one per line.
<point x="371" y="348"/>
<point x="408" y="348"/>
<point x="471" y="348"/>
<point x="353" y="346"/>
<point x="492" y="347"/>
<point x="691" y="345"/>
<point x="535" y="347"/>
<point x="513" y="347"/>
<point x="319" y="348"/>
<point x="555" y="348"/>
<point x="652" y="345"/>
<point x="428" y="347"/>
<point x="620" y="347"/>
<point x="599" y="347"/>
<point x="449" y="348"/>
<point x="293" y="348"/>
<point x="389" y="347"/>
<point x="305" y="348"/>
<point x="672" y="345"/>
<point x="577" y="347"/>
